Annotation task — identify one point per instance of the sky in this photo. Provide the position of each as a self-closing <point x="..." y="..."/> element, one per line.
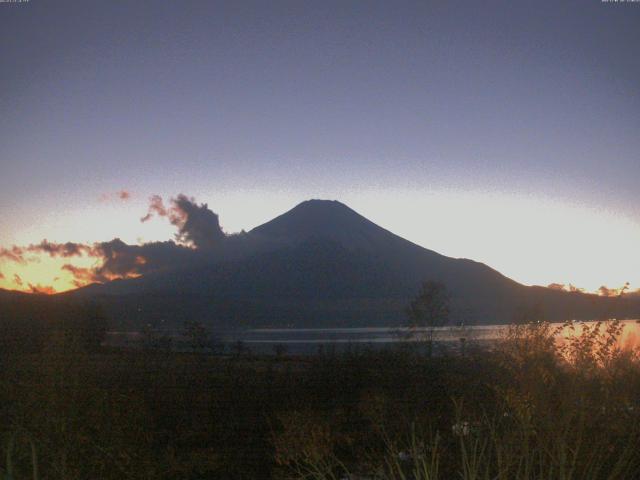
<point x="506" y="132"/>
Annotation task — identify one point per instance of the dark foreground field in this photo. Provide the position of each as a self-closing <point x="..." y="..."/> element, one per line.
<point x="526" y="410"/>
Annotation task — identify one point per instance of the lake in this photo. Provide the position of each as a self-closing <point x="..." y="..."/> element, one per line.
<point x="304" y="340"/>
<point x="312" y="340"/>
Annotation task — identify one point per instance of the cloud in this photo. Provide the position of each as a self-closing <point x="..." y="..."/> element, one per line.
<point x="42" y="289"/>
<point x="81" y="276"/>
<point x="198" y="239"/>
<point x="2" y="277"/>
<point x="197" y="225"/>
<point x="13" y="254"/>
<point x="17" y="279"/>
<point x="120" y="260"/>
<point x="115" y="259"/>
<point x="69" y="249"/>
<point x="65" y="250"/>
<point x="122" y="195"/>
<point x="605" y="291"/>
<point x="156" y="207"/>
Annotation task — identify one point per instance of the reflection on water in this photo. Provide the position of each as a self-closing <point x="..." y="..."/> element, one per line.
<point x="312" y="340"/>
<point x="629" y="338"/>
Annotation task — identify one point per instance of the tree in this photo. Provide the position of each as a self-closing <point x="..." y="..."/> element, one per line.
<point x="197" y="335"/>
<point x="239" y="348"/>
<point x="280" y="350"/>
<point x="525" y="314"/>
<point x="429" y="310"/>
<point x="93" y="325"/>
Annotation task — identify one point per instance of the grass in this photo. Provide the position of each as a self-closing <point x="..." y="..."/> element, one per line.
<point x="531" y="408"/>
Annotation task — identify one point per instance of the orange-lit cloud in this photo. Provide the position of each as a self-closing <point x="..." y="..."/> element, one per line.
<point x="100" y="262"/>
<point x="14" y="254"/>
<point x="156" y="207"/>
<point x="81" y="276"/>
<point x="41" y="289"/>
<point x="605" y="291"/>
<point x="42" y="272"/>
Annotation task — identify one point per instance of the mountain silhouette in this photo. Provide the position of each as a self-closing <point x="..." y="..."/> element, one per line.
<point x="322" y="264"/>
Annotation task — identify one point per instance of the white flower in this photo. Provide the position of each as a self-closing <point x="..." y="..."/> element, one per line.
<point x="461" y="429"/>
<point x="404" y="456"/>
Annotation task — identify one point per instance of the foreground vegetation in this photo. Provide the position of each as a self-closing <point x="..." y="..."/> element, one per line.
<point x="530" y="408"/>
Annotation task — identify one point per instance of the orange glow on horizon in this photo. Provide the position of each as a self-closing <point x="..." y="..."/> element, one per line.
<point x="530" y="240"/>
<point x="43" y="274"/>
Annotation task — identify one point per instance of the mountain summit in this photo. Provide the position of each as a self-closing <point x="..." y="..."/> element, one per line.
<point x="328" y="219"/>
<point x="312" y="218"/>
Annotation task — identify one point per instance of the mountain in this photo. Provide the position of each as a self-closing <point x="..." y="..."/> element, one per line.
<point x="10" y="294"/>
<point x="323" y="264"/>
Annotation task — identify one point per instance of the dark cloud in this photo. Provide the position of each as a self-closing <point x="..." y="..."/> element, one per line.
<point x="115" y="259"/>
<point x="120" y="260"/>
<point x="17" y="279"/>
<point x="124" y="195"/>
<point x="197" y="225"/>
<point x="64" y="250"/>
